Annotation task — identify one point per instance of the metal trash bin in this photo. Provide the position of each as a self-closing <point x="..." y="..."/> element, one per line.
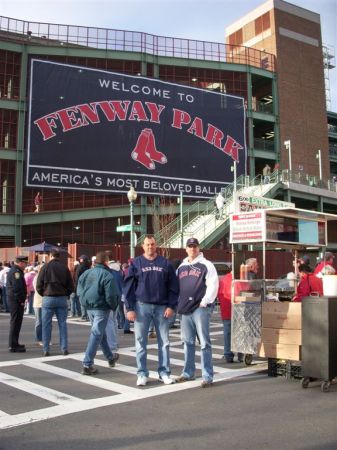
<point x="319" y="340"/>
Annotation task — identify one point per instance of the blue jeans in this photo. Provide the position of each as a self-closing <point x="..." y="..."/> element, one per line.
<point x="38" y="324"/>
<point x="75" y="306"/>
<point x="4" y="299"/>
<point x="111" y="331"/>
<point x="147" y="312"/>
<point x="191" y="324"/>
<point x="228" y="354"/>
<point x="29" y="307"/>
<point x="99" y="319"/>
<point x="59" y="307"/>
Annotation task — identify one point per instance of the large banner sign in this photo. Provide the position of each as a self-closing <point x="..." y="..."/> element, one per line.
<point x="102" y="131"/>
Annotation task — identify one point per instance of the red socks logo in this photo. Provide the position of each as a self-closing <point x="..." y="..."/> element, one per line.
<point x="145" y="151"/>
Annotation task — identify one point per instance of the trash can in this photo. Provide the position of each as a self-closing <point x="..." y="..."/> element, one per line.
<point x="319" y="340"/>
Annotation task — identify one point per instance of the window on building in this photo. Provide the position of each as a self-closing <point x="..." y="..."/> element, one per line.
<point x="10" y="66"/>
<point x="236" y="38"/>
<point x="7" y="186"/>
<point x="8" y="128"/>
<point x="262" y="23"/>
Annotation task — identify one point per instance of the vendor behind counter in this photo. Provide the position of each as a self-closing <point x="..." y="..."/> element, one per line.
<point x="310" y="283"/>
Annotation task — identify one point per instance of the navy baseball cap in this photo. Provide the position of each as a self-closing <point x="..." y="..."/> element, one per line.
<point x="192" y="241"/>
<point x="21" y="259"/>
<point x="305" y="259"/>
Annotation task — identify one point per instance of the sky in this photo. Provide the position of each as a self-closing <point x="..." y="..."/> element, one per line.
<point x="203" y="20"/>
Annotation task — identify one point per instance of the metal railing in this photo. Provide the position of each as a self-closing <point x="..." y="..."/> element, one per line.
<point x="133" y="41"/>
<point x="264" y="144"/>
<point x="172" y="232"/>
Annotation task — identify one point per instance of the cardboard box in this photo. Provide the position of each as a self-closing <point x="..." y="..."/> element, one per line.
<point x="281" y="336"/>
<point x="282" y="315"/>
<point x="279" y="351"/>
<point x="246" y="298"/>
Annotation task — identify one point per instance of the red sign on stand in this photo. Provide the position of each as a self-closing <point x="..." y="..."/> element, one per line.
<point x="249" y="227"/>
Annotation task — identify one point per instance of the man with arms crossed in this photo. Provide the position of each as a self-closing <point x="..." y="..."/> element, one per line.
<point x="151" y="293"/>
<point x="198" y="283"/>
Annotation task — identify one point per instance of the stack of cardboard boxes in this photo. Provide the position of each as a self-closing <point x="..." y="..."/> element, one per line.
<point x="281" y="332"/>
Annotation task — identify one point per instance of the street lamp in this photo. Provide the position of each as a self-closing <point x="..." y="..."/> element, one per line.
<point x="132" y="197"/>
<point x="319" y="157"/>
<point x="180" y="202"/>
<point x="233" y="169"/>
<point x="287" y="145"/>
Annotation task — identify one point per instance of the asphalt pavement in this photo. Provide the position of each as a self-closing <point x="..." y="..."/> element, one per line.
<point x="45" y="403"/>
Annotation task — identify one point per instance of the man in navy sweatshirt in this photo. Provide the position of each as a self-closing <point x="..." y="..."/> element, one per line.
<point x="198" y="283"/>
<point x="151" y="293"/>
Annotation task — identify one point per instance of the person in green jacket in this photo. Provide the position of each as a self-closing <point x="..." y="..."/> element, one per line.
<point x="98" y="293"/>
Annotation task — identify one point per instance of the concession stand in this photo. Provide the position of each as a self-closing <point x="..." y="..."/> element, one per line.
<point x="264" y="320"/>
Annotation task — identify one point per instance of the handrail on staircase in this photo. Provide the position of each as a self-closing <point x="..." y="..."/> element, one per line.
<point x="172" y="231"/>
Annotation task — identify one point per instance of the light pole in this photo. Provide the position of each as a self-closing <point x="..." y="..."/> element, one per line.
<point x="132" y="197"/>
<point x="180" y="201"/>
<point x="233" y="169"/>
<point x="319" y="157"/>
<point x="287" y="145"/>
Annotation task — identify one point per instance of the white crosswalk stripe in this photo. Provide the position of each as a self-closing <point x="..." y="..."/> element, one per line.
<point x="63" y="403"/>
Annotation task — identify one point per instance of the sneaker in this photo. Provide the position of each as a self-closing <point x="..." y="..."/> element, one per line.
<point x="152" y="334"/>
<point x="128" y="332"/>
<point x="65" y="353"/>
<point x="182" y="379"/>
<point x="206" y="384"/>
<point x="142" y="381"/>
<point x="89" y="370"/>
<point x="166" y="379"/>
<point x="112" y="361"/>
<point x="46" y="354"/>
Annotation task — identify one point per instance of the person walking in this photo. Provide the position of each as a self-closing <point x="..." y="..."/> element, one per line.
<point x="3" y="280"/>
<point x="54" y="284"/>
<point x="151" y="293"/>
<point x="37" y="305"/>
<point x="198" y="284"/>
<point x="266" y="172"/>
<point x="220" y="201"/>
<point x="37" y="202"/>
<point x="16" y="291"/>
<point x="75" y="305"/>
<point x="81" y="268"/>
<point x="29" y="278"/>
<point x="98" y="293"/>
<point x="112" y="325"/>
<point x="224" y="296"/>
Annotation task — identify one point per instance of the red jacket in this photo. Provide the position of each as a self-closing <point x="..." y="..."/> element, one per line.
<point x="309" y="283"/>
<point x="224" y="296"/>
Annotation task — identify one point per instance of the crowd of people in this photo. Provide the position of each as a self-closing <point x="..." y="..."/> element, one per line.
<point x="149" y="291"/>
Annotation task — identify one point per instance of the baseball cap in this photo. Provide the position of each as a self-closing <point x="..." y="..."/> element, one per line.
<point x="84" y="257"/>
<point x="192" y="241"/>
<point x="21" y="259"/>
<point x="305" y="259"/>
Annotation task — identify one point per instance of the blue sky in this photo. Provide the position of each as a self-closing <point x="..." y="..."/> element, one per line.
<point x="194" y="19"/>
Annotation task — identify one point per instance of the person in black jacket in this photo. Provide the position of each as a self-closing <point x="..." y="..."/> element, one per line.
<point x="55" y="284"/>
<point x="81" y="268"/>
<point x="16" y="292"/>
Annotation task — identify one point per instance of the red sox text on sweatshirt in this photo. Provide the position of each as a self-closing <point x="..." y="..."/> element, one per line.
<point x="151" y="281"/>
<point x="198" y="284"/>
